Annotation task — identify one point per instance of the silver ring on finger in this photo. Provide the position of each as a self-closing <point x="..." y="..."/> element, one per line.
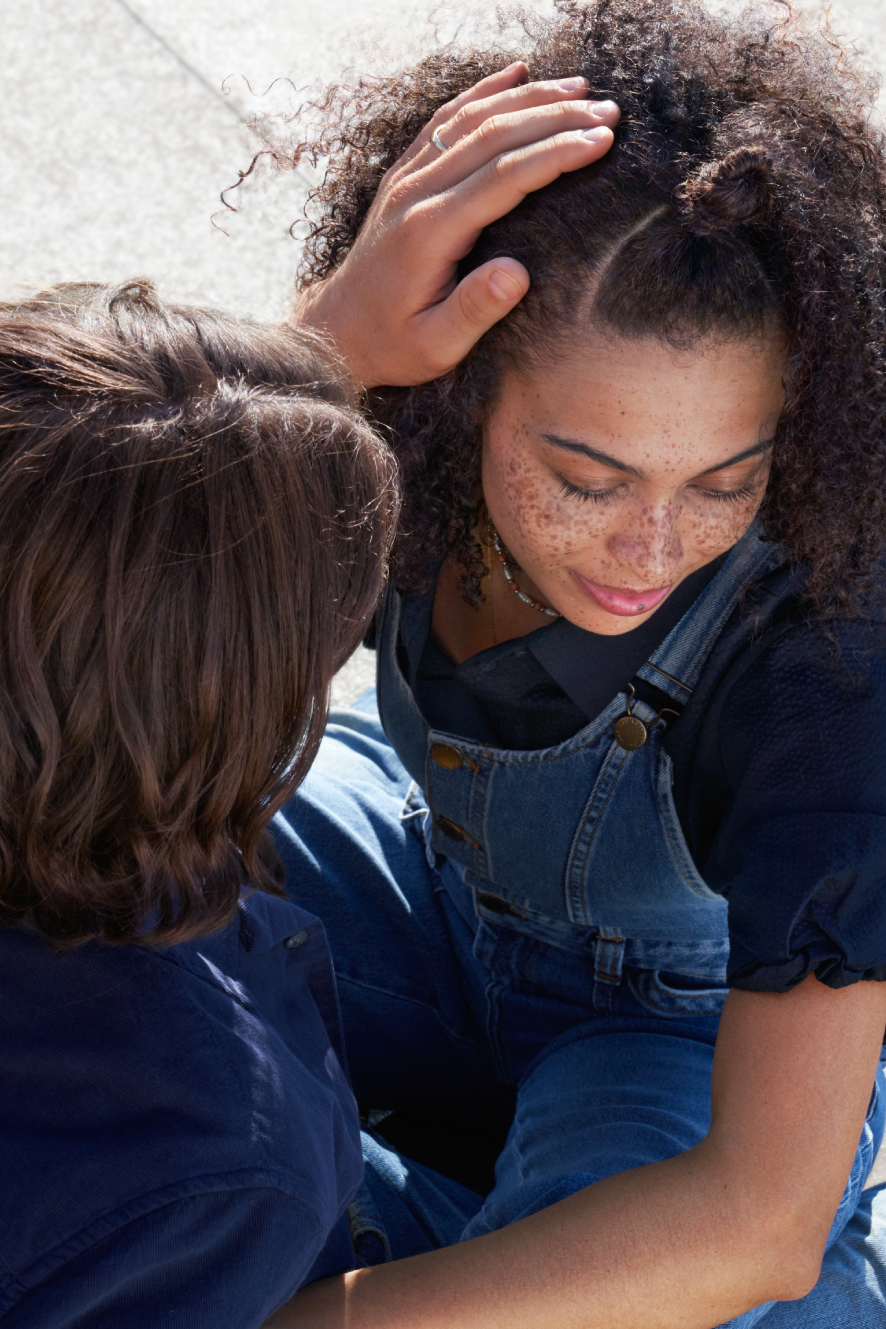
<point x="438" y="142"/>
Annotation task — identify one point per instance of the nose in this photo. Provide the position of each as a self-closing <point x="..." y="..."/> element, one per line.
<point x="650" y="549"/>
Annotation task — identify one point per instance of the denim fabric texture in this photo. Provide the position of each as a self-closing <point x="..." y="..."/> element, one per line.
<point x="403" y="1208"/>
<point x="581" y="841"/>
<point x="779" y="790"/>
<point x="460" y="1005"/>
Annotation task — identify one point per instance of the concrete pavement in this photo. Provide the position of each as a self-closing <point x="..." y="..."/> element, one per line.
<point x="122" y="120"/>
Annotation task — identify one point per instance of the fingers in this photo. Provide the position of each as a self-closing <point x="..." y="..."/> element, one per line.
<point x="465" y="113"/>
<point x="511" y="76"/>
<point x="503" y="133"/>
<point x="459" y="121"/>
<point x="453" y="128"/>
<point x="479" y="301"/>
<point x="460" y="214"/>
<point x="394" y="307"/>
<point x="502" y="81"/>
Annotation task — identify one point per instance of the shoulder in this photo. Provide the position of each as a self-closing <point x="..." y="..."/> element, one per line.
<point x="780" y="672"/>
<point x="141" y="1073"/>
<point x="780" y="783"/>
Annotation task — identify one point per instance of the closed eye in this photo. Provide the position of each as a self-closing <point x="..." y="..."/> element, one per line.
<point x="587" y="495"/>
<point x="748" y="490"/>
<point x="729" y="495"/>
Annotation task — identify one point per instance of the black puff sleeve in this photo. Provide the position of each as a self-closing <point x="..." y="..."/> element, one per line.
<point x="789" y="783"/>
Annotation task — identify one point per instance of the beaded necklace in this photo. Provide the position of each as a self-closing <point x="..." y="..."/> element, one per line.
<point x="509" y="577"/>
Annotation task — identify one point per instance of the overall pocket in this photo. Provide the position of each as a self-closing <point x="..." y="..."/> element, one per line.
<point x="663" y="993"/>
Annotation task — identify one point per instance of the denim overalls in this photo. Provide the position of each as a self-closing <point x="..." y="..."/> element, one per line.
<point x="527" y="925"/>
<point x="579" y="845"/>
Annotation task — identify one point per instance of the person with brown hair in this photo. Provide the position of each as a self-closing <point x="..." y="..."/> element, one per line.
<point x="620" y="820"/>
<point x="196" y="521"/>
<point x="194" y="532"/>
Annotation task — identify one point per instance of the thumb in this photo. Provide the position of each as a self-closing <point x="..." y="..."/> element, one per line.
<point x="478" y="302"/>
<point x="490" y="291"/>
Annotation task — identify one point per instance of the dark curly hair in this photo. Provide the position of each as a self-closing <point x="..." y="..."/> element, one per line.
<point x="745" y="190"/>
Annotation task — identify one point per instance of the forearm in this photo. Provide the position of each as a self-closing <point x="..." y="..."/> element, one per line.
<point x="682" y="1244"/>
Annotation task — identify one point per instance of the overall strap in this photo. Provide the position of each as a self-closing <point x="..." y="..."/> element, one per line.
<point x="669" y="675"/>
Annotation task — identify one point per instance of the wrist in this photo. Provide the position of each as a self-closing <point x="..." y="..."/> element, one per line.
<point x="322" y="308"/>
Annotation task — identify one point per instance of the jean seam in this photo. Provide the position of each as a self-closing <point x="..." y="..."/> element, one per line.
<point x="412" y="1001"/>
<point x="493" y="1032"/>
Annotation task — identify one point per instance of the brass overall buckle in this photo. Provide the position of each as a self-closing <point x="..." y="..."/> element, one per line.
<point x="630" y="731"/>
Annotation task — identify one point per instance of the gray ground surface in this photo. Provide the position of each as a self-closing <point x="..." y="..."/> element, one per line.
<point x="122" y="120"/>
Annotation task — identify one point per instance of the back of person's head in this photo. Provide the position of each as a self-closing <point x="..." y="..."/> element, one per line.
<point x="195" y="524"/>
<point x="745" y="197"/>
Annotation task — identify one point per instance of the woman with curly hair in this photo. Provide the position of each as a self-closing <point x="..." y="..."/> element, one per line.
<point x="611" y="867"/>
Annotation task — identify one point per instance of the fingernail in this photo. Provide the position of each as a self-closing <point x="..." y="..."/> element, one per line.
<point x="596" y="135"/>
<point x="504" y="285"/>
<point x="572" y="84"/>
<point x="602" y="108"/>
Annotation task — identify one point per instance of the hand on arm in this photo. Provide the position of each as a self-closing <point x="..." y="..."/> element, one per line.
<point x="394" y="308"/>
<point x="685" y="1244"/>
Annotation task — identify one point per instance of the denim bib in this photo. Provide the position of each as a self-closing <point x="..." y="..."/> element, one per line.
<point x="579" y="845"/>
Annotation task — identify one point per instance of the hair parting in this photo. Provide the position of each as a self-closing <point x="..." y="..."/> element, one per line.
<point x="745" y="197"/>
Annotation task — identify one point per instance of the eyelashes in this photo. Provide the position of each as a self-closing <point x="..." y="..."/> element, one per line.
<point x="604" y="496"/>
<point x="731" y="495"/>
<point x="586" y="495"/>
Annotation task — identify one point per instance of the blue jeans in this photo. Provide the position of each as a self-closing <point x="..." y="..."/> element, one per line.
<point x="454" y="1019"/>
<point x="405" y="1209"/>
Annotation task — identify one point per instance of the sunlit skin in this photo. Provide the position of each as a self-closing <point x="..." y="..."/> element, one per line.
<point x="613" y="473"/>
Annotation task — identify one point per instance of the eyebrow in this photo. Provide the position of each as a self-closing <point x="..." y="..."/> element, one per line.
<point x="594" y="454"/>
<point x="756" y="451"/>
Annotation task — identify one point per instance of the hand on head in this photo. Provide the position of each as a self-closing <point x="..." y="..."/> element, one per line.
<point x="395" y="307"/>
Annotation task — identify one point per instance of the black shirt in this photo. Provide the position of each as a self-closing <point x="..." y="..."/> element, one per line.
<point x="538" y="690"/>
<point x="779" y="759"/>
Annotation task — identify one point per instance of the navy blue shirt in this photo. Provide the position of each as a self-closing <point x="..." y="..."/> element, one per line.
<point x="178" y="1139"/>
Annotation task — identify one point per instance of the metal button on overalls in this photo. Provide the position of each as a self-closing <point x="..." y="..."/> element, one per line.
<point x="454" y="831"/>
<point x="585" y="833"/>
<point x="449" y="758"/>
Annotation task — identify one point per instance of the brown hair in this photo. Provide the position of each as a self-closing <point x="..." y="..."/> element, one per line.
<point x="194" y="530"/>
<point x="746" y="190"/>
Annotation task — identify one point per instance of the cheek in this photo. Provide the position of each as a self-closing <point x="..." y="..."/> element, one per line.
<point x="530" y="512"/>
<point x="714" y="527"/>
<point x="711" y="527"/>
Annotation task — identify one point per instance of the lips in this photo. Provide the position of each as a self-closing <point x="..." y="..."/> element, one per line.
<point x="621" y="599"/>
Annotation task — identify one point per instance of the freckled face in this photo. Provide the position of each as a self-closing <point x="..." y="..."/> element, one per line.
<point x="604" y="473"/>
